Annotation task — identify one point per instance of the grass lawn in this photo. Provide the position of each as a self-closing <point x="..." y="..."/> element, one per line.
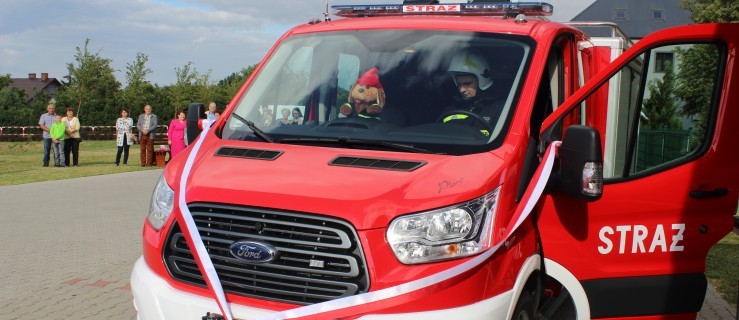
<point x="20" y="162"/>
<point x="722" y="267"/>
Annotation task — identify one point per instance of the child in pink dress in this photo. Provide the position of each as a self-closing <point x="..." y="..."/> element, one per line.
<point x="176" y="134"/>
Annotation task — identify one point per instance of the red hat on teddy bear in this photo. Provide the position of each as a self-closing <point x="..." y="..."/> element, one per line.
<point x="370" y="78"/>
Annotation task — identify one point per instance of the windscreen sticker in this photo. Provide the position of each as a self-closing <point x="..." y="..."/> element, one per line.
<point x="446" y="184"/>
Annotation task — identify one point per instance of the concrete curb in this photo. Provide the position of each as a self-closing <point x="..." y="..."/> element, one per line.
<point x="715" y="307"/>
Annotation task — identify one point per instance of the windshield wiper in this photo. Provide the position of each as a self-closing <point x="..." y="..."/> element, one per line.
<point x="257" y="132"/>
<point x="346" y="142"/>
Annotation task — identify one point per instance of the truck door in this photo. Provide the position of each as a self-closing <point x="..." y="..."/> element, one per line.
<point x="671" y="178"/>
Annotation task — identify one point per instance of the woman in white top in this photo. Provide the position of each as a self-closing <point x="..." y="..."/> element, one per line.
<point x="123" y="136"/>
<point x="71" y="137"/>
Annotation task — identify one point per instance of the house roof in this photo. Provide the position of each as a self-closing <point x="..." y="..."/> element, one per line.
<point x="33" y="86"/>
<point x="637" y="18"/>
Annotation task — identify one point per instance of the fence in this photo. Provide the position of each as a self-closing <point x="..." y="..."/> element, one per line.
<point x="34" y="133"/>
<point x="657" y="146"/>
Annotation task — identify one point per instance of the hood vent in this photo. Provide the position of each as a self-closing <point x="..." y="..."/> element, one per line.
<point x="248" y="153"/>
<point x="374" y="163"/>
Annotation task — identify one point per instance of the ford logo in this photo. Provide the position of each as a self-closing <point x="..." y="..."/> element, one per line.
<point x="253" y="251"/>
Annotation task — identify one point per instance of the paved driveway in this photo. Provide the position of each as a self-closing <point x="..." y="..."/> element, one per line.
<point x="68" y="247"/>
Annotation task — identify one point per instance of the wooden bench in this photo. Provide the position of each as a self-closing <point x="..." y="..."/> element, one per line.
<point x="161" y="146"/>
<point x="161" y="149"/>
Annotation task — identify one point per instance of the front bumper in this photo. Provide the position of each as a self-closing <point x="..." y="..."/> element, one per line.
<point x="154" y="298"/>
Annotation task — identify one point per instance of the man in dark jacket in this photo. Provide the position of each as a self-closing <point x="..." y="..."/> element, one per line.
<point x="471" y="73"/>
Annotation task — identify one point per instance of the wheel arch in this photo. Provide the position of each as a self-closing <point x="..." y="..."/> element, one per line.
<point x="529" y="272"/>
<point x="568" y="280"/>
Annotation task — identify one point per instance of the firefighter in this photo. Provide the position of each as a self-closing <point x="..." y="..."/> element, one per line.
<point x="472" y="76"/>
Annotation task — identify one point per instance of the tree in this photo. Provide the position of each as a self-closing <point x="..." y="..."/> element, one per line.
<point x="704" y="11"/>
<point x="694" y="83"/>
<point x="92" y="89"/>
<point x="206" y="90"/>
<point x="161" y="102"/>
<point x="183" y="91"/>
<point x="13" y="110"/>
<point x="91" y="86"/>
<point x="138" y="91"/>
<point x="137" y="71"/>
<point x="5" y="80"/>
<point x="661" y="108"/>
<point x="39" y="103"/>
<point x="230" y="85"/>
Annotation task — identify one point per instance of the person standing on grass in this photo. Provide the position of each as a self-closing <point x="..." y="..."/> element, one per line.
<point x="123" y="136"/>
<point x="57" y="136"/>
<point x="71" y="138"/>
<point x="176" y="134"/>
<point x="211" y="113"/>
<point x="147" y="124"/>
<point x="45" y="122"/>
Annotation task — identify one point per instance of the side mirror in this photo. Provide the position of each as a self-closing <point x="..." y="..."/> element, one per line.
<point x="195" y="112"/>
<point x="581" y="164"/>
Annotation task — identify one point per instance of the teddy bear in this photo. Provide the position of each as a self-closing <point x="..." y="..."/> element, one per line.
<point x="366" y="97"/>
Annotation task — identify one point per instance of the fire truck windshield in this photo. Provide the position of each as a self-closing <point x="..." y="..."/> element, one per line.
<point x="445" y="92"/>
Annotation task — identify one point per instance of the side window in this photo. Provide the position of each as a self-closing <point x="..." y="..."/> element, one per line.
<point x="663" y="61"/>
<point x="294" y="85"/>
<point x="659" y="110"/>
<point x="677" y="105"/>
<point x="348" y="74"/>
<point x="556" y="84"/>
<point x="555" y="67"/>
<point x="551" y="89"/>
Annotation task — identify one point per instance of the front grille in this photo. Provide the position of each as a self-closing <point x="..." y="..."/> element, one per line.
<point x="302" y="240"/>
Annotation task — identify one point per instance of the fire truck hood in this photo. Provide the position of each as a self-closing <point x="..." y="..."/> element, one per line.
<point x="303" y="179"/>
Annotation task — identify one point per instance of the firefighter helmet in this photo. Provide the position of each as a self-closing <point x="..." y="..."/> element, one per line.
<point x="471" y="62"/>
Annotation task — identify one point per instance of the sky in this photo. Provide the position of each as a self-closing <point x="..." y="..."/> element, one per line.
<point x="217" y="36"/>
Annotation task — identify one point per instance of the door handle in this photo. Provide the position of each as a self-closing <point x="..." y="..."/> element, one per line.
<point x="715" y="193"/>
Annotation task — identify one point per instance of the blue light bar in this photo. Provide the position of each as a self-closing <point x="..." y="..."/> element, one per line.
<point x="507" y="9"/>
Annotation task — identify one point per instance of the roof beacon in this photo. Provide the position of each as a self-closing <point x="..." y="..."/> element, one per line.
<point x="502" y="9"/>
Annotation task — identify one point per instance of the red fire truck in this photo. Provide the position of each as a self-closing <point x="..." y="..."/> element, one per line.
<point x="404" y="162"/>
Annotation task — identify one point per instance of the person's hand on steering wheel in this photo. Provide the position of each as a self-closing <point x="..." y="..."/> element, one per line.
<point x="464" y="115"/>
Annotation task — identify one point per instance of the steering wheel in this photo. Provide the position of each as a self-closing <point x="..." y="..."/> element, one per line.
<point x="351" y="122"/>
<point x="485" y="125"/>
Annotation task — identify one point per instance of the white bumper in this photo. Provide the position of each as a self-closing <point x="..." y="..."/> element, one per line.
<point x="493" y="308"/>
<point x="154" y="298"/>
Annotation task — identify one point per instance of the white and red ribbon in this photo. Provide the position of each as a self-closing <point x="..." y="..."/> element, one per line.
<point x="192" y="236"/>
<point x="357" y="304"/>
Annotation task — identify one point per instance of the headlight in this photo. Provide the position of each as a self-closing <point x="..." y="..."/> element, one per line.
<point x="447" y="233"/>
<point x="162" y="202"/>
